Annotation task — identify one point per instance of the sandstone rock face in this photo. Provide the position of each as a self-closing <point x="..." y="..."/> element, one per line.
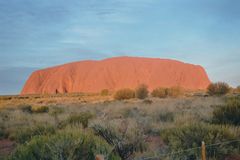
<point x="116" y="73"/>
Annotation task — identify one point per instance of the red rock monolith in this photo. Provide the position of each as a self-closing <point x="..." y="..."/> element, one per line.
<point x="116" y="73"/>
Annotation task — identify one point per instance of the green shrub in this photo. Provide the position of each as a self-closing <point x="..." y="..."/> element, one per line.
<point x="25" y="108"/>
<point x="238" y="87"/>
<point x="131" y="112"/>
<point x="237" y="90"/>
<point x="82" y="118"/>
<point x="147" y="101"/>
<point x="55" y="111"/>
<point x="39" y="109"/>
<point x="23" y="135"/>
<point x="191" y="136"/>
<point x="229" y="113"/>
<point x="141" y="91"/>
<point x="159" y="92"/>
<point x="3" y="133"/>
<point x="33" y="109"/>
<point x="124" y="94"/>
<point x="219" y="88"/>
<point x="72" y="144"/>
<point x="167" y="92"/>
<point x="105" y="92"/>
<point x="166" y="117"/>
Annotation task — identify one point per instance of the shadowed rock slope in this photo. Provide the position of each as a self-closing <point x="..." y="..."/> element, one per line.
<point x="116" y="73"/>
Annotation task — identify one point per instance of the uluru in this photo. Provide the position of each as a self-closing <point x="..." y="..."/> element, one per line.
<point x="116" y="73"/>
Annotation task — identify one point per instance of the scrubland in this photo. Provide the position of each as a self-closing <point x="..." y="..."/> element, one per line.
<point x="80" y="126"/>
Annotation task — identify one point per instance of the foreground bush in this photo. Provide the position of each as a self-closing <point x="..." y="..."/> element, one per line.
<point x="219" y="88"/>
<point x="25" y="108"/>
<point x="72" y="145"/>
<point x="229" y="113"/>
<point x="82" y="118"/>
<point x="124" y="145"/>
<point x="141" y="92"/>
<point x="124" y="94"/>
<point x="191" y="136"/>
<point x="23" y="135"/>
<point x="166" y="117"/>
<point x="3" y="134"/>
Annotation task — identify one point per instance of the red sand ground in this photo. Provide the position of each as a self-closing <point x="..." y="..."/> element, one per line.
<point x="6" y="147"/>
<point x="116" y="73"/>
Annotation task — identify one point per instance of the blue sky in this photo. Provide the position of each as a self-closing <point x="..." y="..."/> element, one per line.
<point x="40" y="33"/>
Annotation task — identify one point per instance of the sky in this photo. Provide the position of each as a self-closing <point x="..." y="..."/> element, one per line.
<point x="36" y="34"/>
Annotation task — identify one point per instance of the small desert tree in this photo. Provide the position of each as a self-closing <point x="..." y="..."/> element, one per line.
<point x="167" y="92"/>
<point x="218" y="88"/>
<point x="141" y="91"/>
<point x="159" y="92"/>
<point x="104" y="92"/>
<point x="174" y="91"/>
<point x="124" y="94"/>
<point x="237" y="89"/>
